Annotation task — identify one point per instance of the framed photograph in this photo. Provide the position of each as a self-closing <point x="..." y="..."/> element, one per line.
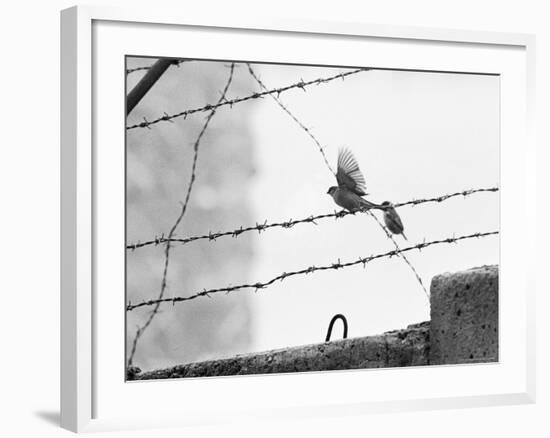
<point x="285" y="219"/>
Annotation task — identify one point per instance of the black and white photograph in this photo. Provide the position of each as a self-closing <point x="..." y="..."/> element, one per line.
<point x="294" y="218"/>
<point x="308" y="218"/>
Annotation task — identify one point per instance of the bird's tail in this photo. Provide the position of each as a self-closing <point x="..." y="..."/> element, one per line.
<point x="405" y="237"/>
<point x="367" y="205"/>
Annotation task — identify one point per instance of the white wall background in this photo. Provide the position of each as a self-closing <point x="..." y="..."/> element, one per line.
<point x="30" y="220"/>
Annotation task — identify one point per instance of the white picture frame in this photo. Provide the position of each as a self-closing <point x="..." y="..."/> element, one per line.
<point x="87" y="368"/>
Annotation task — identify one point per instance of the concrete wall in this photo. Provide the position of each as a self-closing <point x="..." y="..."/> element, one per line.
<point x="463" y="329"/>
<point x="464" y="316"/>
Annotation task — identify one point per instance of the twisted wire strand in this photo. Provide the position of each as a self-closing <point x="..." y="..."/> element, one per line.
<point x="442" y="198"/>
<point x="147" y="67"/>
<point x="292" y="116"/>
<point x="259" y="227"/>
<point x="309" y="270"/>
<point x="403" y="256"/>
<point x="275" y="91"/>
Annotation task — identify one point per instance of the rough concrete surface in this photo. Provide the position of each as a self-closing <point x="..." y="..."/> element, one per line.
<point x="393" y="349"/>
<point x="464" y="316"/>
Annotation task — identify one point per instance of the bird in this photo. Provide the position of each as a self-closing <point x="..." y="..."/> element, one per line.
<point x="392" y="219"/>
<point x="351" y="184"/>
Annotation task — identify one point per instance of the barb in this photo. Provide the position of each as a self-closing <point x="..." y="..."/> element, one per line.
<point x="334" y="266"/>
<point x="292" y="116"/>
<point x="141" y="330"/>
<point x="147" y="67"/>
<point x="301" y="85"/>
<point x="403" y="256"/>
<point x="259" y="227"/>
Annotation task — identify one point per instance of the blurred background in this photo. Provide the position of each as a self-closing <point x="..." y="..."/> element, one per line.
<point x="414" y="134"/>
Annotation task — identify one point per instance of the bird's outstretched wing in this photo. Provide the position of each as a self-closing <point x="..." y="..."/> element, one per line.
<point x="348" y="173"/>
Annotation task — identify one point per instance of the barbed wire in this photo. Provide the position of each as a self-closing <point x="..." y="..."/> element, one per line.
<point x="275" y="91"/>
<point x="259" y="227"/>
<point x="292" y="116"/>
<point x="147" y="67"/>
<point x="464" y="193"/>
<point x="334" y="266"/>
<point x="403" y="256"/>
<point x="141" y="330"/>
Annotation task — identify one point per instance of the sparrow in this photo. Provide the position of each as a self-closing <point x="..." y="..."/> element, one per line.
<point x="351" y="184"/>
<point x="392" y="219"/>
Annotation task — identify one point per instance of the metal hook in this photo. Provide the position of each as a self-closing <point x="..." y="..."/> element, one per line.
<point x="332" y="321"/>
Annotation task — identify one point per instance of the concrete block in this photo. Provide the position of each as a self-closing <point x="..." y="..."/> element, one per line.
<point x="464" y="317"/>
<point x="397" y="348"/>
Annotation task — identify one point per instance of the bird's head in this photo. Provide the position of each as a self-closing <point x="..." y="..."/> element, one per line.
<point x="386" y="204"/>
<point x="331" y="190"/>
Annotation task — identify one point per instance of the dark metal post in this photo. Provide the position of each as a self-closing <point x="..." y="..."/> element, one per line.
<point x="145" y="84"/>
